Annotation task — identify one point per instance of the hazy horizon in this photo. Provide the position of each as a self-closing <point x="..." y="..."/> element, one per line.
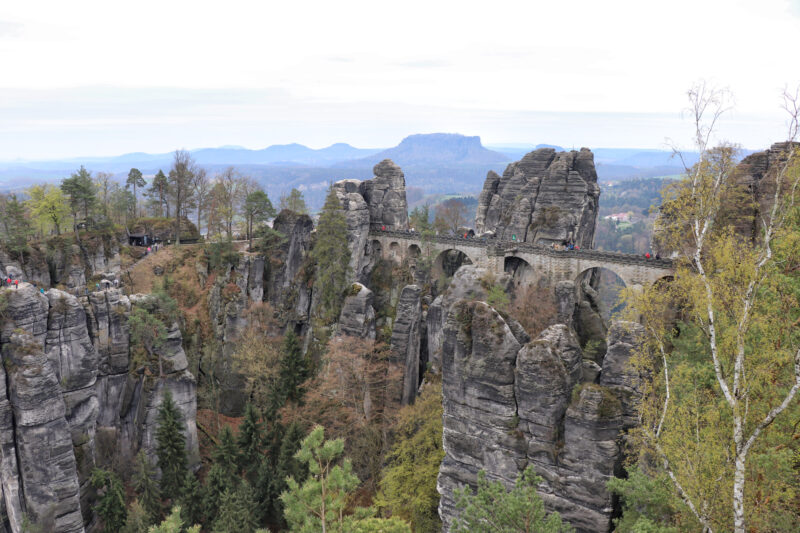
<point x="100" y="80"/>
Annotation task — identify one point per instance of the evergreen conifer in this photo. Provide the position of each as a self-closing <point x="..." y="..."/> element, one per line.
<point x="145" y="485"/>
<point x="170" y="447"/>
<point x="192" y="500"/>
<point x="110" y="506"/>
<point x="226" y="454"/>
<point x="250" y="442"/>
<point x="294" y="369"/>
<point x="137" y="521"/>
<point x="332" y="257"/>
<point x="236" y="511"/>
<point x="217" y="482"/>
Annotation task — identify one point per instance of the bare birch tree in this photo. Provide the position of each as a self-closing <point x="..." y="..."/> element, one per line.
<point x="720" y="341"/>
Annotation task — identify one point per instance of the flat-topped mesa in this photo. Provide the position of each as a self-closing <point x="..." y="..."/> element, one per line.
<point x="545" y="197"/>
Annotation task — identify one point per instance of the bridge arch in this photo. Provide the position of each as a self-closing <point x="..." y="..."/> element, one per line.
<point x="521" y="271"/>
<point x="376" y="248"/>
<point x="414" y="251"/>
<point x="448" y="261"/>
<point x="607" y="285"/>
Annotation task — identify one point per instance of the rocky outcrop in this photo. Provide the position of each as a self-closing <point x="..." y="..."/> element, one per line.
<point x="378" y="203"/>
<point x="480" y="407"/>
<point x="357" y="318"/>
<point x="69" y="399"/>
<point x="469" y="282"/>
<point x="510" y="402"/>
<point x="545" y="197"/>
<point x="385" y="195"/>
<point x="64" y="262"/>
<point x="406" y="339"/>
<point x="757" y="174"/>
<point x="286" y="276"/>
<point x="233" y="292"/>
<point x="357" y="215"/>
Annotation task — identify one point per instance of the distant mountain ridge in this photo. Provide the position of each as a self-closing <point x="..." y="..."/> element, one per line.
<point x="435" y="149"/>
<point x="278" y="154"/>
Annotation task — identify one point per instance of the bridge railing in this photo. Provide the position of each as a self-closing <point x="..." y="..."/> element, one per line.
<point x="497" y="247"/>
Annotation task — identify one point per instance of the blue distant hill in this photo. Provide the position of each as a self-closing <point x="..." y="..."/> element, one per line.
<point x="436" y="149"/>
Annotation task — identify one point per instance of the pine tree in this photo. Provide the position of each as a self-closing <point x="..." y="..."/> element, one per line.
<point x="111" y="504"/>
<point x="294" y="369"/>
<point x="135" y="180"/>
<point x="250" y="443"/>
<point x="319" y="503"/>
<point x="138" y="520"/>
<point x="272" y="477"/>
<point x="158" y="191"/>
<point x="226" y="454"/>
<point x="170" y="447"/>
<point x="288" y="465"/>
<point x="145" y="485"/>
<point x="236" y="511"/>
<point x="192" y="500"/>
<point x="174" y="524"/>
<point x="495" y="508"/>
<point x="81" y="191"/>
<point x="217" y="482"/>
<point x="332" y="257"/>
<point x="17" y="226"/>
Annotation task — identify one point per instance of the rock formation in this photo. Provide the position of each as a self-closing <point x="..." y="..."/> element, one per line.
<point x="357" y="214"/>
<point x="64" y="262"/>
<point x="286" y="278"/>
<point x="357" y="318"/>
<point x="406" y="340"/>
<point x="757" y="173"/>
<point x="377" y="203"/>
<point x="510" y="402"/>
<point x="545" y="197"/>
<point x="69" y="399"/>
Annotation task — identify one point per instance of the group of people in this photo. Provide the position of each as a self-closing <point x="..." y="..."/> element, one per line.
<point x="11" y="281"/>
<point x="151" y="249"/>
<point x="565" y="246"/>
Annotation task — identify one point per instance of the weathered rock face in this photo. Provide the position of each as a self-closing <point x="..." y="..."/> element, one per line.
<point x="357" y="215"/>
<point x="510" y="402"/>
<point x="65" y="382"/>
<point x="468" y="283"/>
<point x="287" y="284"/>
<point x="232" y="293"/>
<point x="59" y="262"/>
<point x="406" y="339"/>
<point x="377" y="203"/>
<point x="385" y="195"/>
<point x="757" y="172"/>
<point x="480" y="408"/>
<point x="546" y="197"/>
<point x="357" y="318"/>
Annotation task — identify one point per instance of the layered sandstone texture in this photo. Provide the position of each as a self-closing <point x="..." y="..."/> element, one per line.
<point x="511" y="401"/>
<point x="545" y="197"/>
<point x="378" y="203"/>
<point x="69" y="401"/>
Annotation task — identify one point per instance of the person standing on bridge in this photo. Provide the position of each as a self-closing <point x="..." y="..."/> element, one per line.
<point x="647" y="255"/>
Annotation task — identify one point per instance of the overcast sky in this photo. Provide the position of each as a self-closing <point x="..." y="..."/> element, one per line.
<point x="88" y="78"/>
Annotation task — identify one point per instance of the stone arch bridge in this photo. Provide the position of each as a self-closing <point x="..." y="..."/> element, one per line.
<point x="556" y="265"/>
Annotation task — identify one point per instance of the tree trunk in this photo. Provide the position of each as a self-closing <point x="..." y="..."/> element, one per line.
<point x="177" y="219"/>
<point x="738" y="495"/>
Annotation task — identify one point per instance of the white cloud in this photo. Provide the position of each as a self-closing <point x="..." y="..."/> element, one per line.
<point x="453" y="58"/>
